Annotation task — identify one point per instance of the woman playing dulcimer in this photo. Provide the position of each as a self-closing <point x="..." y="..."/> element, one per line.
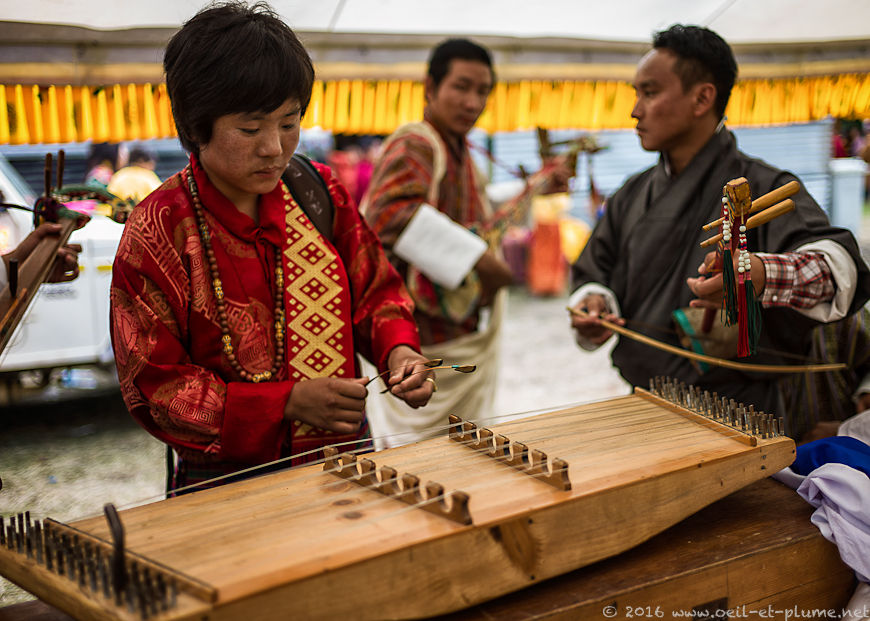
<point x="235" y="322"/>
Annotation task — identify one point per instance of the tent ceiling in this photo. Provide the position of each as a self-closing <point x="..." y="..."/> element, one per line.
<point x="739" y="21"/>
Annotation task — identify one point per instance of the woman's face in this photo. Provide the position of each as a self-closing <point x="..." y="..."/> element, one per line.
<point x="248" y="152"/>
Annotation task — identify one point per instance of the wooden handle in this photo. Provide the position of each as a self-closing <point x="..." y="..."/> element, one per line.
<point x="712" y="225"/>
<point x="775" y="196"/>
<point x="769" y="214"/>
<point x="762" y="202"/>
<point x="713" y="240"/>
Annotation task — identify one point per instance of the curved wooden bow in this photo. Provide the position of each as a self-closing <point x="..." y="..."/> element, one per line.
<point x="713" y="360"/>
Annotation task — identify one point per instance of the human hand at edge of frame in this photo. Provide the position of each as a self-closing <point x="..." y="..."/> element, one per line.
<point x="409" y="379"/>
<point x="332" y="403"/>
<point x="709" y="288"/>
<point x="589" y="327"/>
<point x="66" y="267"/>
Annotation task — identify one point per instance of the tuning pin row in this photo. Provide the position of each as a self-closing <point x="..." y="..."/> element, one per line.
<point x="721" y="409"/>
<point x="141" y="589"/>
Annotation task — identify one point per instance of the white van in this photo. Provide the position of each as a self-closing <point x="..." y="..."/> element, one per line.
<point x="67" y="324"/>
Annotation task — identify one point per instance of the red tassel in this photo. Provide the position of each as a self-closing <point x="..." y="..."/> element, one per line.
<point x="743" y="349"/>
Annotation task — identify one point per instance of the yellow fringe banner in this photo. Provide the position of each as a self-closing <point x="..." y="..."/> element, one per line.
<point x="116" y="113"/>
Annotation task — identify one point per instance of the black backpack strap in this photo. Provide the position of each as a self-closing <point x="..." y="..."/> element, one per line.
<point x="310" y="191"/>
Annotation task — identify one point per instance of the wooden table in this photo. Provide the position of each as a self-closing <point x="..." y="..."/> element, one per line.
<point x="754" y="550"/>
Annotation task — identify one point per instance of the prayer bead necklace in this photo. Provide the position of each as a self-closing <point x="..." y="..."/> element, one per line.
<point x="217" y="286"/>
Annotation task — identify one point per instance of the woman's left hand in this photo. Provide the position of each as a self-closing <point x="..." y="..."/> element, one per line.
<point x="409" y="379"/>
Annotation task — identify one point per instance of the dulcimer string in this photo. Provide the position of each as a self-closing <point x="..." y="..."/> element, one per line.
<point x="650" y="443"/>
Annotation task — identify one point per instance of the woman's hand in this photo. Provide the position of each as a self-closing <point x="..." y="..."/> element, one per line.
<point x="330" y="403"/>
<point x="409" y="379"/>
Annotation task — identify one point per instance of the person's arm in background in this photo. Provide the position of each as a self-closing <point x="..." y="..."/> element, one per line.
<point x="65" y="268"/>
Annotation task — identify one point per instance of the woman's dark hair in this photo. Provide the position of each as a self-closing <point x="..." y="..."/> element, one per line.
<point x="228" y="59"/>
<point x="451" y="49"/>
<point x="702" y="56"/>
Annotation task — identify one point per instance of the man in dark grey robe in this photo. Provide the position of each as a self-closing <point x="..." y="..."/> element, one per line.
<point x="643" y="259"/>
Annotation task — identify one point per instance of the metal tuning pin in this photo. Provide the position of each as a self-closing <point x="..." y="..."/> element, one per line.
<point x="728" y="412"/>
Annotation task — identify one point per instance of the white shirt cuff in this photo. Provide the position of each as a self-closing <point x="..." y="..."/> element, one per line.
<point x="845" y="275"/>
<point x="443" y="250"/>
<point x="610" y="302"/>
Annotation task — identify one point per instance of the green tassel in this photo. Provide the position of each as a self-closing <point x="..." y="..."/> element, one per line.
<point x="729" y="281"/>
<point x="753" y="308"/>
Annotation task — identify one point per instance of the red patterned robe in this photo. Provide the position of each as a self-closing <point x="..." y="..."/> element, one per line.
<point x="340" y="298"/>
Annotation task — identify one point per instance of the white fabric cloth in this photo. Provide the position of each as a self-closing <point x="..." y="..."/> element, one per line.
<point x="845" y="275"/>
<point x="857" y="427"/>
<point x="858" y="608"/>
<point x="469" y="396"/>
<point x="841" y="496"/>
<point x="610" y="302"/>
<point x="443" y="250"/>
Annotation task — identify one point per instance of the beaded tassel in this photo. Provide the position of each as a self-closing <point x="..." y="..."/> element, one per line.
<point x="730" y="308"/>
<point x="749" y="316"/>
<point x="217" y="286"/>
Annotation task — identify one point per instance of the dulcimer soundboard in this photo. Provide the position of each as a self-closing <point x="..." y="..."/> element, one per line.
<point x="407" y="532"/>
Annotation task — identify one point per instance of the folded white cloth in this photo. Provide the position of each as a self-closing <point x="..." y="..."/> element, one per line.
<point x="442" y="249"/>
<point x="841" y="496"/>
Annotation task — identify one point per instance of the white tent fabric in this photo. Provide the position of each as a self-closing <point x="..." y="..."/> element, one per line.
<point x="739" y="21"/>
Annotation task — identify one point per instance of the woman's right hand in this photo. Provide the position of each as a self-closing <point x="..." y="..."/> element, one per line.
<point x="330" y="403"/>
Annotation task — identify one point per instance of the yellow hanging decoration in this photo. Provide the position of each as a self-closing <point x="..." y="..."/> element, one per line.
<point x="404" y="107"/>
<point x="36" y="131"/>
<point x="68" y="124"/>
<point x="117" y="123"/>
<point x="101" y="126"/>
<point x="134" y="126"/>
<point x="329" y="105"/>
<point x="342" y="99"/>
<point x="4" y="117"/>
<point x="149" y="114"/>
<point x="87" y="118"/>
<point x="52" y="118"/>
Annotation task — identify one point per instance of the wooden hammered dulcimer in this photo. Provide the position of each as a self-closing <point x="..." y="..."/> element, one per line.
<point x="408" y="532"/>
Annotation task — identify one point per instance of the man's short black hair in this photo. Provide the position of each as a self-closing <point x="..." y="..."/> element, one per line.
<point x="451" y="49"/>
<point x="702" y="56"/>
<point x="228" y="59"/>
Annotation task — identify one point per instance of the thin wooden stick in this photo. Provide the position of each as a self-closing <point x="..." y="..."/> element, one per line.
<point x="719" y="362"/>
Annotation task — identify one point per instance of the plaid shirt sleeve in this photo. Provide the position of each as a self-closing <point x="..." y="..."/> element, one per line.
<point x="796" y="279"/>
